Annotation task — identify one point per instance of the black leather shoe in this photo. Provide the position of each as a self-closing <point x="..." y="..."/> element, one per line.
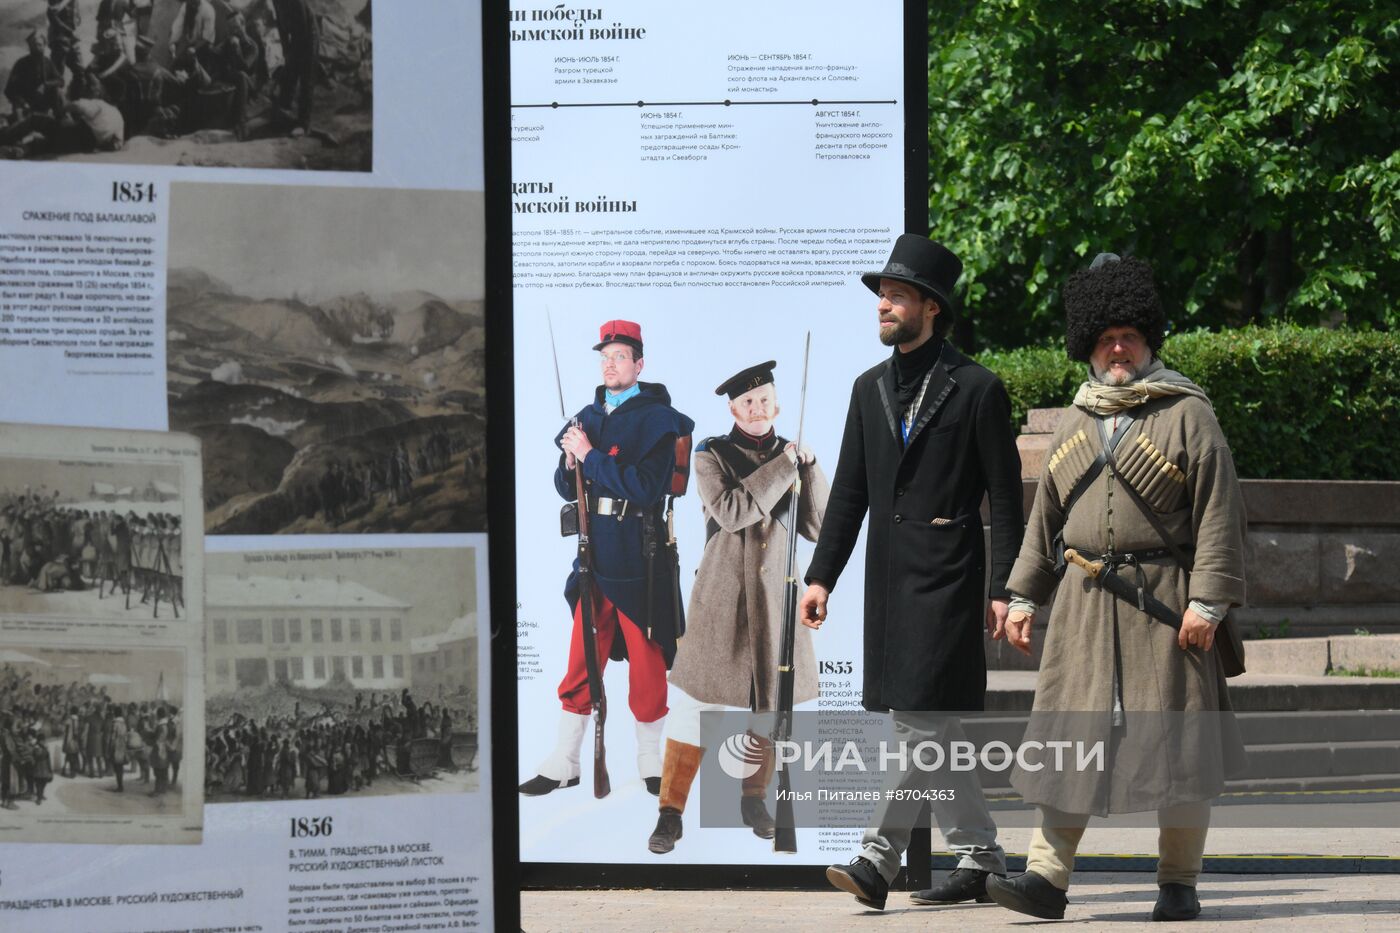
<point x="962" y="884"/>
<point x="668" y="830"/>
<point x="653" y="785"/>
<point x="1028" y="893"/>
<point x="539" y="785"/>
<point x="1176" y="902"/>
<point x="755" y="814"/>
<point x="862" y="879"/>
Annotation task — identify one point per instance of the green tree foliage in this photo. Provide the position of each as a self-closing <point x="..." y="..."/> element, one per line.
<point x="1295" y="403"/>
<point x="1247" y="148"/>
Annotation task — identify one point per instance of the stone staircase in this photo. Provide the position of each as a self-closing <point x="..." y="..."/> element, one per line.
<point x="1301" y="733"/>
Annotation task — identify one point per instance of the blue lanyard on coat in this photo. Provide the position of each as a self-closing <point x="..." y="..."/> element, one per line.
<point x="906" y="423"/>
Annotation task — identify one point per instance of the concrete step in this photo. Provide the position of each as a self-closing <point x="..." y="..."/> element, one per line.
<point x="1317" y="656"/>
<point x="1332" y="759"/>
<point x="1343" y="768"/>
<point x="1285" y="727"/>
<point x="1292" y="728"/>
<point x="1339" y="784"/>
<point x="1014" y="691"/>
<point x="1335" y="744"/>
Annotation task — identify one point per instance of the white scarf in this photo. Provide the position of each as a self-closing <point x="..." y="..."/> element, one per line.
<point x="1153" y="381"/>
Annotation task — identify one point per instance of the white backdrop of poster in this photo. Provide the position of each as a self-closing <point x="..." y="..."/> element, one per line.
<point x="397" y="852"/>
<point x="726" y="230"/>
<point x="83" y="235"/>
<point x="84" y="266"/>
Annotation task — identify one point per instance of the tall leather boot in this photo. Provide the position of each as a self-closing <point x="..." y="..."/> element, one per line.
<point x="752" y="809"/>
<point x="649" y="754"/>
<point x="561" y="768"/>
<point x="677" y="773"/>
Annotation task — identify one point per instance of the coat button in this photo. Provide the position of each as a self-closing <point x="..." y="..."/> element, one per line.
<point x="898" y="519"/>
<point x="899" y="491"/>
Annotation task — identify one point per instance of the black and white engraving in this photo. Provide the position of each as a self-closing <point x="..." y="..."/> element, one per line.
<point x="346" y="672"/>
<point x="248" y="83"/>
<point x="90" y="732"/>
<point x="91" y="539"/>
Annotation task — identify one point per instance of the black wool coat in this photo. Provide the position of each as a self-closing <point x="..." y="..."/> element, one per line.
<point x="924" y="553"/>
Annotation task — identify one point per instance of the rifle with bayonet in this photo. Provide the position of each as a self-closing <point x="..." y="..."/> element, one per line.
<point x="601" y="785"/>
<point x="785" y="832"/>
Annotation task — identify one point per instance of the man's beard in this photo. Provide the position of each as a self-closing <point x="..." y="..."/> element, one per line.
<point x="1110" y="378"/>
<point x="901" y="332"/>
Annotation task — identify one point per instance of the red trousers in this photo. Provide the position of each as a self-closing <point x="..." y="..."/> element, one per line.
<point x="646" y="665"/>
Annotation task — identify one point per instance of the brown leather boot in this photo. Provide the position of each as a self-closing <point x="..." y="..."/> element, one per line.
<point x="677" y="773"/>
<point x="755" y="789"/>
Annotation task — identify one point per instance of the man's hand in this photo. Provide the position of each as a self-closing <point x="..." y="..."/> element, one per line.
<point x="996" y="617"/>
<point x="1196" y="631"/>
<point x="575" y="444"/>
<point x="799" y="457"/>
<point x="811" y="611"/>
<point x="1018" y="631"/>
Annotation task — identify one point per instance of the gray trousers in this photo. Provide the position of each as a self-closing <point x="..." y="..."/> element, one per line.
<point x="965" y="822"/>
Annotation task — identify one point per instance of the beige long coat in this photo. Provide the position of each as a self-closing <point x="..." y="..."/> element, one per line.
<point x="1179" y="741"/>
<point x="733" y="637"/>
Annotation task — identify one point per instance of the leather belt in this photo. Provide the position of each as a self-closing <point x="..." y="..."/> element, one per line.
<point x="1120" y="558"/>
<point x="614" y="508"/>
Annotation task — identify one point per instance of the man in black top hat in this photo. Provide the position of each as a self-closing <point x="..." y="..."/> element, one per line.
<point x="928" y="435"/>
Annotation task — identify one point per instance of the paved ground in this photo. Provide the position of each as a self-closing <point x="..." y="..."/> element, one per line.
<point x="1116" y="901"/>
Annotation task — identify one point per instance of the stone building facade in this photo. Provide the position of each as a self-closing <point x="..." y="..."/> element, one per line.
<point x="308" y="632"/>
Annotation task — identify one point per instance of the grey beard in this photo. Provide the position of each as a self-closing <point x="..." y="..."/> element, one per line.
<point x="1113" y="379"/>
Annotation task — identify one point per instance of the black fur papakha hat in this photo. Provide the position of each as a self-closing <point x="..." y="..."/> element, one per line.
<point x="1112" y="292"/>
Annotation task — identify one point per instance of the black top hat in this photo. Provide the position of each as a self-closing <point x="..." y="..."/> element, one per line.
<point x="746" y="380"/>
<point x="928" y="266"/>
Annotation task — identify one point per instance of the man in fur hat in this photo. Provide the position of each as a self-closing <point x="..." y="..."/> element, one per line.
<point x="1140" y="487"/>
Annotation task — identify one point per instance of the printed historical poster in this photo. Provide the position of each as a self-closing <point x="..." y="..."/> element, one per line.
<point x="101" y="633"/>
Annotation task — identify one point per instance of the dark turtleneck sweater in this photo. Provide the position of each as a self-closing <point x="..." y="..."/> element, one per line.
<point x="911" y="368"/>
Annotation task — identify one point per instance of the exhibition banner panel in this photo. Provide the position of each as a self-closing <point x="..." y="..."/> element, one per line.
<point x="243" y="599"/>
<point x="692" y="196"/>
<point x="103" y="600"/>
